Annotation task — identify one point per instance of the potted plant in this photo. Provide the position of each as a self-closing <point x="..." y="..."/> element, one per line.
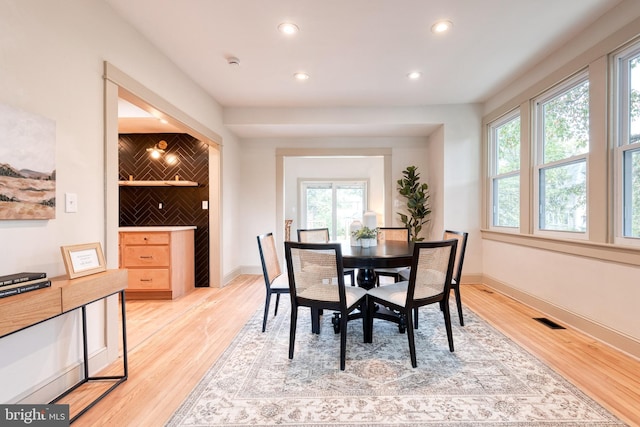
<point x="417" y="196"/>
<point x="364" y="235"/>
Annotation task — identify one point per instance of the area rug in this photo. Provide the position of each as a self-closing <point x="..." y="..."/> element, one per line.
<point x="488" y="381"/>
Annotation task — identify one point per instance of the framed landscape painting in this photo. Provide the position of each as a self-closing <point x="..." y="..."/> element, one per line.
<point x="27" y="165"/>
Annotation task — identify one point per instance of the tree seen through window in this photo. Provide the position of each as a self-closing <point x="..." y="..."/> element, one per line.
<point x="563" y="144"/>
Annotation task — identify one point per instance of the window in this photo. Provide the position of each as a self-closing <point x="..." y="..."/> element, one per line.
<point x="504" y="140"/>
<point x="333" y="205"/>
<point x="562" y="147"/>
<point x="627" y="166"/>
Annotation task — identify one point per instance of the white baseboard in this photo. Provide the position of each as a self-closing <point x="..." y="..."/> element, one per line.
<point x="251" y="269"/>
<point x="471" y="279"/>
<point x="60" y="382"/>
<point x="228" y="278"/>
<point x="613" y="338"/>
<point x="245" y="269"/>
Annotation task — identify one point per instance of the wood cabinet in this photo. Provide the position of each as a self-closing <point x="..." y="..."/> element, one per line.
<point x="160" y="261"/>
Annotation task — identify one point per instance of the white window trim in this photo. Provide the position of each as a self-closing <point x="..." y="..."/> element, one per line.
<point x="620" y="137"/>
<point x="492" y="167"/>
<point x="554" y="92"/>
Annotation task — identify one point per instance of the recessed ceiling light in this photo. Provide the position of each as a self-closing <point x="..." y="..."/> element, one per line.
<point x="288" y="28"/>
<point x="301" y="76"/>
<point x="414" y="75"/>
<point x="441" y="26"/>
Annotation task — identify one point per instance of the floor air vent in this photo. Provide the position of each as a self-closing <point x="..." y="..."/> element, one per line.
<point x="549" y="323"/>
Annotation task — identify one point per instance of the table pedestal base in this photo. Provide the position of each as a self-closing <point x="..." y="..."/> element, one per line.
<point x="367" y="278"/>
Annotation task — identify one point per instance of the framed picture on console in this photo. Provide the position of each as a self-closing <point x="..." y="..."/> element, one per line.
<point x="83" y="260"/>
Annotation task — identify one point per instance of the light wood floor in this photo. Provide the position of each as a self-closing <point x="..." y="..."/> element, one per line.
<point x="173" y="343"/>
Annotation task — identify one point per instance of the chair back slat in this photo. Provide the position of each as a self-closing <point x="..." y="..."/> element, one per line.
<point x="431" y="270"/>
<point x="461" y="237"/>
<point x="400" y="234"/>
<point x="313" y="235"/>
<point x="269" y="257"/>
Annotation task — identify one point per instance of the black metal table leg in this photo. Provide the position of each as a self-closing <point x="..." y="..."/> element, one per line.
<point x="118" y="378"/>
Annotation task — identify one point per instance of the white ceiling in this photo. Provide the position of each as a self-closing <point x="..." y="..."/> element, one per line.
<point x="357" y="52"/>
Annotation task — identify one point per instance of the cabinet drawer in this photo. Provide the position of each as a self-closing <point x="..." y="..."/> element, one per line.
<point x="146" y="256"/>
<point x="149" y="278"/>
<point x="144" y="238"/>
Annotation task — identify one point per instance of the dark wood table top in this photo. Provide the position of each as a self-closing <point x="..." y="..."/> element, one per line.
<point x="385" y="254"/>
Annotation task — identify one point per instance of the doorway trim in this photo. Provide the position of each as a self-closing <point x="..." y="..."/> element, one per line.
<point x="120" y="85"/>
<point x="282" y="153"/>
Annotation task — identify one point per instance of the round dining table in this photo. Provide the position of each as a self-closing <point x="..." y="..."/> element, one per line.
<point x="386" y="254"/>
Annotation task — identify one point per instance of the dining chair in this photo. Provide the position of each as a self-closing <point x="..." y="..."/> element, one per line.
<point x="400" y="234"/>
<point x="461" y="236"/>
<point x="429" y="283"/>
<point x="275" y="282"/>
<point x="313" y="235"/>
<point x="316" y="280"/>
<point x="321" y="235"/>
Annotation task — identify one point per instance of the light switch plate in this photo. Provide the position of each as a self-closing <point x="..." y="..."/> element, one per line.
<point x="70" y="202"/>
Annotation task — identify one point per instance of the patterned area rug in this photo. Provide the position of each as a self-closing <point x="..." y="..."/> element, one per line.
<point x="488" y="381"/>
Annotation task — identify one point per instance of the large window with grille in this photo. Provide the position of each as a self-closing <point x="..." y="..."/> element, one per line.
<point x="561" y="150"/>
<point x="333" y="205"/>
<point x="504" y="167"/>
<point x="627" y="164"/>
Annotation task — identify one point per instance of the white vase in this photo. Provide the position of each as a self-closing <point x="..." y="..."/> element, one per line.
<point x="355" y="226"/>
<point x="365" y="243"/>
<point x="370" y="219"/>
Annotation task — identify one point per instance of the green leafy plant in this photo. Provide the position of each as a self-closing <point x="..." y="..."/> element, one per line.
<point x="365" y="233"/>
<point x="417" y="196"/>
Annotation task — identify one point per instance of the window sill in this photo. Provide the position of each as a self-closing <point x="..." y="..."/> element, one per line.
<point x="619" y="254"/>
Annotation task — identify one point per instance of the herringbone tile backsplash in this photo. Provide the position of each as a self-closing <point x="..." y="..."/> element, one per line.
<point x="139" y="206"/>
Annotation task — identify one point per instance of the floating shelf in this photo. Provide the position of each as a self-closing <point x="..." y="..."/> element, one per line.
<point x="157" y="183"/>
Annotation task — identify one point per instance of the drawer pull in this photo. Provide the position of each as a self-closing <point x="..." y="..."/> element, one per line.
<point x="146" y="256"/>
<point x="146" y="280"/>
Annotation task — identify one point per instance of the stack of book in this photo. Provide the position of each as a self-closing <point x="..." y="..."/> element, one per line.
<point x="14" y="284"/>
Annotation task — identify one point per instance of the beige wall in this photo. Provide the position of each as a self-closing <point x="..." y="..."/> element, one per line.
<point x="454" y="184"/>
<point x="591" y="284"/>
<point x="370" y="169"/>
<point x="52" y="65"/>
<point x="53" y="55"/>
